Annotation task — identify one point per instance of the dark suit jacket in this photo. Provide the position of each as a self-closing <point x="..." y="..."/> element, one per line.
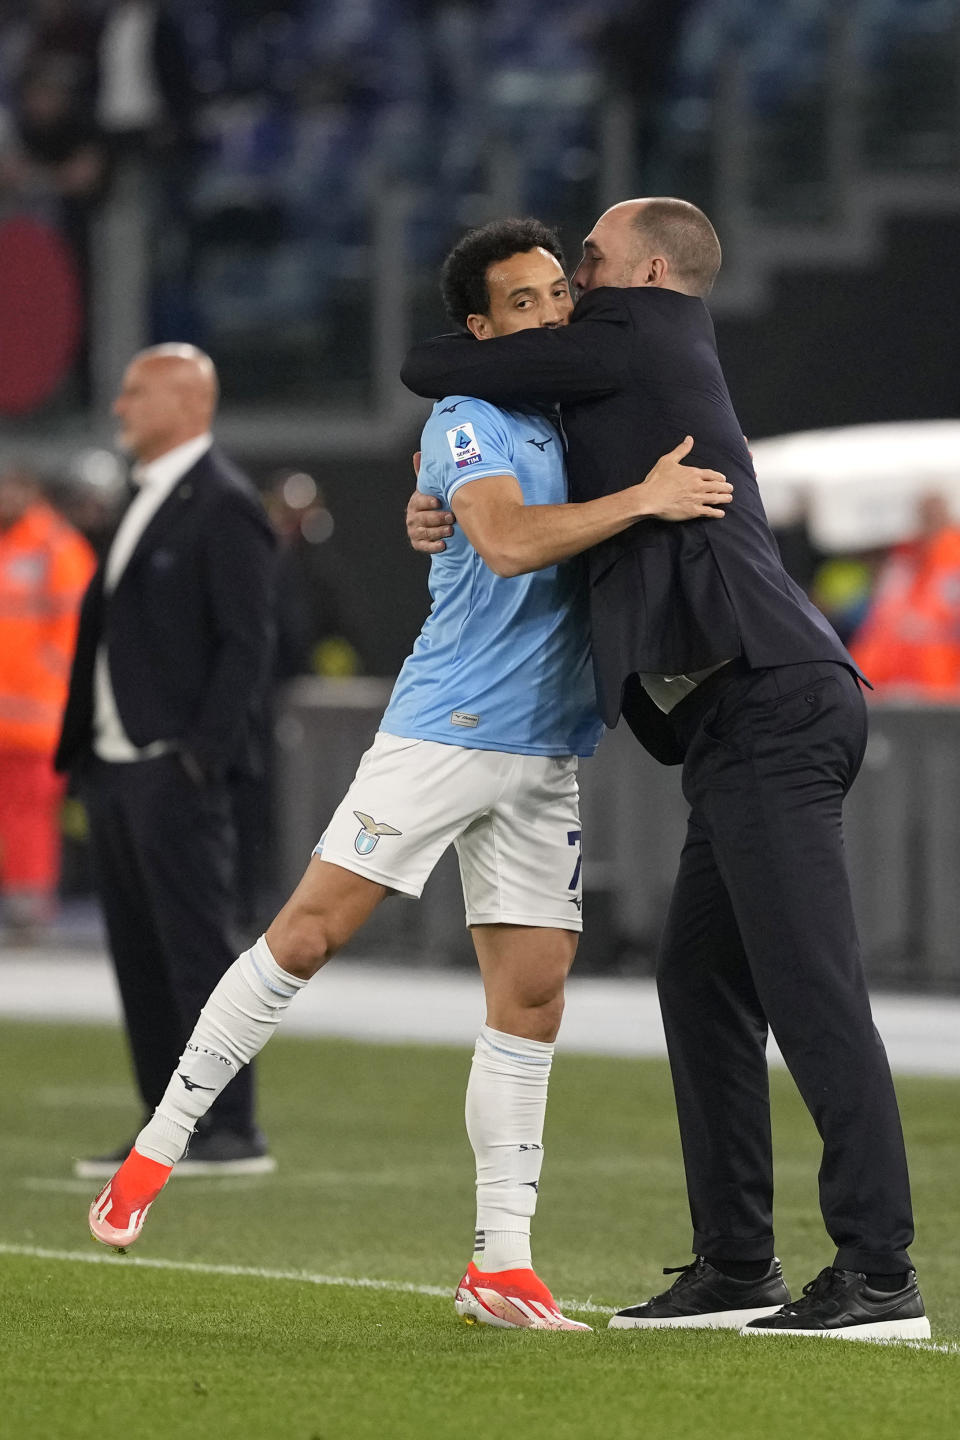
<point x="635" y="371"/>
<point x="189" y="627"/>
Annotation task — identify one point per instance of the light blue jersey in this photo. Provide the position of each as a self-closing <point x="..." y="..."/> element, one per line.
<point x="500" y="664"/>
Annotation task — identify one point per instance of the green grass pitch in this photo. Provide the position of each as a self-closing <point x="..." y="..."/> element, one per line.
<point x="205" y="1330"/>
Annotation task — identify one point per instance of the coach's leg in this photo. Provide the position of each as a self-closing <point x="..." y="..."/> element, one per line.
<point x="793" y="749"/>
<point x="716" y="1040"/>
<point x="243" y="1011"/>
<point x="523" y="969"/>
<point x="183" y="839"/>
<point x="150" y="1011"/>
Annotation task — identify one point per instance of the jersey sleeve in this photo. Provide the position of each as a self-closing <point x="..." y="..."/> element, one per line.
<point x="463" y="440"/>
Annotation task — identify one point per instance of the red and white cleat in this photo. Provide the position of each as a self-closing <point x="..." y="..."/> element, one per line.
<point x="512" y="1299"/>
<point x="118" y="1213"/>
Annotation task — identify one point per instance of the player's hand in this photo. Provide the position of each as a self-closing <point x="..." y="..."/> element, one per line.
<point x="427" y="525"/>
<point x="674" y="491"/>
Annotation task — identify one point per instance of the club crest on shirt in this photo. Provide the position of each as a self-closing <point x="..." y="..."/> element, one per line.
<point x="370" y="832"/>
<point x="463" y="445"/>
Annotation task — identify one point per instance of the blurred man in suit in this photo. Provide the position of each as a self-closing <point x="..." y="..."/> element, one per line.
<point x="170" y="673"/>
<point x="720" y="663"/>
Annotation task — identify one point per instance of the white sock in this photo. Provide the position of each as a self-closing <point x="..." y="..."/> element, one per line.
<point x="506" y="1104"/>
<point x="237" y="1021"/>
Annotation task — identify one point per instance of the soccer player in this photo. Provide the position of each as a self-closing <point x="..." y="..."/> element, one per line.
<point x="478" y="747"/>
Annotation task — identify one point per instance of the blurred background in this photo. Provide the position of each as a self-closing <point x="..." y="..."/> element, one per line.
<point x="278" y="183"/>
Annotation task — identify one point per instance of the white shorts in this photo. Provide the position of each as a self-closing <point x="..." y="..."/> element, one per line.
<point x="514" y="819"/>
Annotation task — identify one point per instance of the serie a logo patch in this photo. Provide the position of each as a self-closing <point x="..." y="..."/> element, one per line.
<point x="463" y="445"/>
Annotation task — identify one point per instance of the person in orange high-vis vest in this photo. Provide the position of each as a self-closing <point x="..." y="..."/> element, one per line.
<point x="910" y="639"/>
<point x="45" y="566"/>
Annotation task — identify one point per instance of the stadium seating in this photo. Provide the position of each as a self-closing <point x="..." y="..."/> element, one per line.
<point x="309" y="110"/>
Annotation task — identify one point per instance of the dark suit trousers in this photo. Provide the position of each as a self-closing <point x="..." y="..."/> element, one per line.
<point x="761" y="932"/>
<point x="162" y="851"/>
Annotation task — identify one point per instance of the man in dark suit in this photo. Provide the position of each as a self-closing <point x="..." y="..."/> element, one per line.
<point x="169" y="676"/>
<point x="718" y="661"/>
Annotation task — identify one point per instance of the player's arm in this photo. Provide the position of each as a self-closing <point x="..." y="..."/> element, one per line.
<point x="513" y="538"/>
<point x="580" y="361"/>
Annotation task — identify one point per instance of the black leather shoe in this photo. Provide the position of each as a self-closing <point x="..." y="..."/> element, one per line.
<point x="840" y="1304"/>
<point x="703" y="1297"/>
<point x="227" y="1152"/>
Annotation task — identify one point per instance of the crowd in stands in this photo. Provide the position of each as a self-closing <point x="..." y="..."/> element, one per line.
<point x="270" y="128"/>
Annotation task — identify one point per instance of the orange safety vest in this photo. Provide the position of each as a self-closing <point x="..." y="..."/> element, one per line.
<point x="45" y="566"/>
<point x="910" y="638"/>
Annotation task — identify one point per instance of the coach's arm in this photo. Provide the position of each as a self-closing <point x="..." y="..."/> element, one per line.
<point x="584" y="360"/>
<point x="513" y="538"/>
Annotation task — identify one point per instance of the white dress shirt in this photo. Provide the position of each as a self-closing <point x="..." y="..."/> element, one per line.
<point x="155" y="481"/>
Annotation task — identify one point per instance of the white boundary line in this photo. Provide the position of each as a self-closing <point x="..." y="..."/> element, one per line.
<point x="196" y="1267"/>
<point x="349" y="1282"/>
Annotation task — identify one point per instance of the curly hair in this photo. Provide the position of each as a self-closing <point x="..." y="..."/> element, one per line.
<point x="463" y="279"/>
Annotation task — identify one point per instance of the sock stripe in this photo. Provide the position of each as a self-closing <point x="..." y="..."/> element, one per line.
<point x="265" y="982"/>
<point x="543" y="1061"/>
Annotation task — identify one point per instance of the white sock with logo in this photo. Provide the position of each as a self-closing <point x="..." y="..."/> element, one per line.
<point x="505" y="1109"/>
<point x="243" y="1011"/>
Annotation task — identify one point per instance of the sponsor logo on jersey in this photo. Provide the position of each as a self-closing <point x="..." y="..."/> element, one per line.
<point x="463" y="445"/>
<point x="540" y="444"/>
<point x="464" y="720"/>
<point x="370" y="832"/>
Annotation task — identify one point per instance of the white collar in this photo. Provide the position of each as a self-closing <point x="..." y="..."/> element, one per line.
<point x="168" y="468"/>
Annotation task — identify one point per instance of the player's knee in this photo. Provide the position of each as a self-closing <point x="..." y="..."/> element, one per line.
<point x="300" y="942"/>
<point x="537" y="1014"/>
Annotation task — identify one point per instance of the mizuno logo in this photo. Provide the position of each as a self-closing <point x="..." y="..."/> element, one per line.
<point x="540" y="444"/>
<point x="449" y="409"/>
<point x="575" y="900"/>
<point x="192" y="1084"/>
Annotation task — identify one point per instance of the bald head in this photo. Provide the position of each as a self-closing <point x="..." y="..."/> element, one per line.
<point x="656" y="241"/>
<point x="168" y="396"/>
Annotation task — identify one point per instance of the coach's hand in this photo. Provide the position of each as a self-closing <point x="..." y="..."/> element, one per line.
<point x="674" y="491"/>
<point x="427" y="525"/>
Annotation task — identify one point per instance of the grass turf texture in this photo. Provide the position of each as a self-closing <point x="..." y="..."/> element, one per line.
<point x="375" y="1181"/>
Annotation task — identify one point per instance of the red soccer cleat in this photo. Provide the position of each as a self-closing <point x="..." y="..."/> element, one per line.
<point x="118" y="1213"/>
<point x="512" y="1299"/>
